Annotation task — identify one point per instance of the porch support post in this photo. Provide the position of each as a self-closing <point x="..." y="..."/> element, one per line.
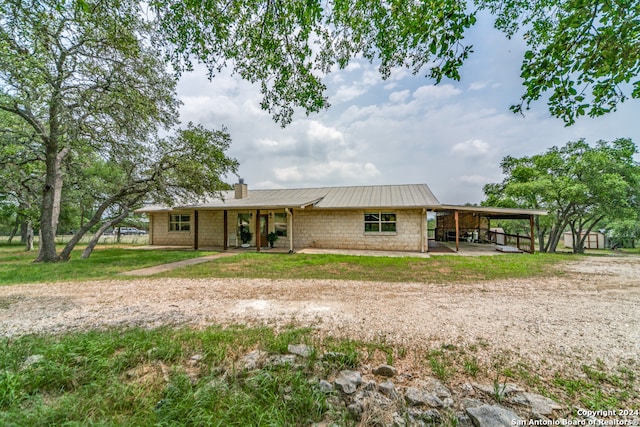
<point x="195" y="230"/>
<point x="257" y="233"/>
<point x="423" y="221"/>
<point x="455" y="216"/>
<point x="150" y="228"/>
<point x="290" y="228"/>
<point x="225" y="232"/>
<point x="533" y="235"/>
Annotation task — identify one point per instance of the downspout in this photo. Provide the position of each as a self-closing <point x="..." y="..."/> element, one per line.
<point x="290" y="228"/>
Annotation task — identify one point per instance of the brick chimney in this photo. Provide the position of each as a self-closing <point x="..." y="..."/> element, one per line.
<point x="242" y="190"/>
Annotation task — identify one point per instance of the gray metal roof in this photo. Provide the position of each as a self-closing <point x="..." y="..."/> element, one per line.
<point x="489" y="210"/>
<point x="374" y="196"/>
<point x="357" y="197"/>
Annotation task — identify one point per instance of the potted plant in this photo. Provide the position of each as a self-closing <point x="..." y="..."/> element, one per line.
<point x="245" y="235"/>
<point x="271" y="238"/>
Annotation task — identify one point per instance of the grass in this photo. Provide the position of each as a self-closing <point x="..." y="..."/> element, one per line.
<point x="161" y="377"/>
<point x="440" y="269"/>
<point x="16" y="264"/>
<point x="185" y="377"/>
<point x="107" y="261"/>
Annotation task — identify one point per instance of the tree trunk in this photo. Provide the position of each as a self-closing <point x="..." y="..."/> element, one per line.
<point x="94" y="240"/>
<point x="14" y="231"/>
<point x="29" y="242"/>
<point x="50" y="207"/>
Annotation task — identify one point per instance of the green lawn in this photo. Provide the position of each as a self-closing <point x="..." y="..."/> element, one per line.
<point x="106" y="262"/>
<point x="16" y="264"/>
<point x="440" y="269"/>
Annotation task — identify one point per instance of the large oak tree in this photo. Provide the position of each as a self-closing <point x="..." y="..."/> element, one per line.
<point x="80" y="74"/>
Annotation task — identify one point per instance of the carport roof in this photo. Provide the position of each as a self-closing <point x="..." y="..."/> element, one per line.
<point x="495" y="213"/>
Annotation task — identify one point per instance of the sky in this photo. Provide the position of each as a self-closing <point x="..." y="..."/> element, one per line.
<point x="405" y="130"/>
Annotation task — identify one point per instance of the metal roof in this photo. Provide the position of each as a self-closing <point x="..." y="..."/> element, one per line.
<point x="495" y="212"/>
<point x="359" y="197"/>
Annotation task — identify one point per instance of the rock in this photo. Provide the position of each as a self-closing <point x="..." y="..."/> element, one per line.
<point x="502" y="389"/>
<point x="470" y="403"/>
<point x="539" y="405"/>
<point x="253" y="360"/>
<point x="355" y="410"/>
<point x="348" y="381"/>
<point x="417" y="397"/>
<point x="463" y="420"/>
<point x="325" y="386"/>
<point x="371" y="386"/>
<point x="492" y="416"/>
<point x="431" y="416"/>
<point x="282" y="360"/>
<point x="436" y="387"/>
<point x="32" y="360"/>
<point x="385" y="371"/>
<point x="196" y="357"/>
<point x="301" y="350"/>
<point x="388" y="389"/>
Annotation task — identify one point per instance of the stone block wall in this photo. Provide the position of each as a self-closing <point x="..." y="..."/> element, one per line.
<point x="163" y="237"/>
<point x="341" y="229"/>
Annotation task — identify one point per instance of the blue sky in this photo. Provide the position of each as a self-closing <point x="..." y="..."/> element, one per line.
<point x="403" y="130"/>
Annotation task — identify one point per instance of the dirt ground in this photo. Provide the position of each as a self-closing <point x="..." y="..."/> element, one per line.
<point x="592" y="311"/>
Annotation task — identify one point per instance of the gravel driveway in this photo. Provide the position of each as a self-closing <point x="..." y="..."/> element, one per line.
<point x="593" y="311"/>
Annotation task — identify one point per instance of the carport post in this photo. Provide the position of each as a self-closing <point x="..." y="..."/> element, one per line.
<point x="455" y="216"/>
<point x="533" y="236"/>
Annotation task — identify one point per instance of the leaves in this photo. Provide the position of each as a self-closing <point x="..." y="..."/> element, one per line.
<point x="579" y="184"/>
<point x="584" y="53"/>
<point x="289" y="46"/>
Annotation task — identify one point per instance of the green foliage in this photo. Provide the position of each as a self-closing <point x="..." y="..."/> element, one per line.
<point x="585" y="53"/>
<point x="580" y="185"/>
<point x="288" y="46"/>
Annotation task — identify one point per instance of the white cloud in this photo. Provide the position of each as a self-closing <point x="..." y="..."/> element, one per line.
<point x="316" y="131"/>
<point x="347" y="93"/>
<point x="436" y="92"/>
<point x="471" y="148"/>
<point x="399" y="96"/>
<point x="328" y="172"/>
<point x="478" y="85"/>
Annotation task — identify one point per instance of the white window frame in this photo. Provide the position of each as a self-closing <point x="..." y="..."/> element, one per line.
<point x="177" y="223"/>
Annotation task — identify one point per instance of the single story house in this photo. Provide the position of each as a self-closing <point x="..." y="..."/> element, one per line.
<point x="380" y="217"/>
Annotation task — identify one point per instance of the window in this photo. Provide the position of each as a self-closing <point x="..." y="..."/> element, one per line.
<point x="280" y="224"/>
<point x="379" y="222"/>
<point x="179" y="222"/>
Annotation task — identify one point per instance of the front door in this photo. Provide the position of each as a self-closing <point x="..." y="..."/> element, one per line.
<point x="264" y="229"/>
